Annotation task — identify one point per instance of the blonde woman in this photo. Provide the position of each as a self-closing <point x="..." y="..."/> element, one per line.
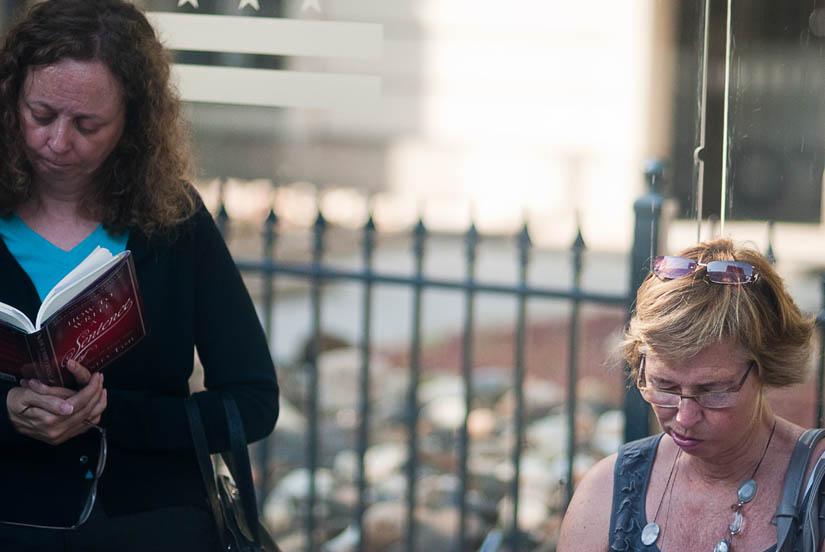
<point x="713" y="329"/>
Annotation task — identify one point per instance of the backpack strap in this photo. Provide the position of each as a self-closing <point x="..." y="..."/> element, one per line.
<point x="787" y="513"/>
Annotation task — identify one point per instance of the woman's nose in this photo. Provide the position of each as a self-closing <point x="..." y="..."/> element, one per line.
<point x="688" y="412"/>
<point x="60" y="137"/>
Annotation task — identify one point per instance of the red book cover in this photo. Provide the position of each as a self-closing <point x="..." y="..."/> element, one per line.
<point x="98" y="318"/>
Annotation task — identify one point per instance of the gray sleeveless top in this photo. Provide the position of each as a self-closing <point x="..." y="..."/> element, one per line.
<point x="630" y="478"/>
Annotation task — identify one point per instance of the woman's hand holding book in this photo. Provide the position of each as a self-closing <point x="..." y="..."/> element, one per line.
<point x="56" y="414"/>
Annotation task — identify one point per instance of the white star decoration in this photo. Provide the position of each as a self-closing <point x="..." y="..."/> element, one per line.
<point x="255" y="4"/>
<point x="311" y="4"/>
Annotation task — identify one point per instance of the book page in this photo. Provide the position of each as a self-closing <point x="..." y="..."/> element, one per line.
<point x="98" y="262"/>
<point x="16" y="318"/>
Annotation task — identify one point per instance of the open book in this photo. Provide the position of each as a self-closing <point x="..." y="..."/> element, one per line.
<point x="93" y="315"/>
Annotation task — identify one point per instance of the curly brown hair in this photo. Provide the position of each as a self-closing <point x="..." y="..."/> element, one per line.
<point x="143" y="183"/>
<point x="680" y="317"/>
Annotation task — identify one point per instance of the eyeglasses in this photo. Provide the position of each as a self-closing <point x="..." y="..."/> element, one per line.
<point x="719" y="272"/>
<point x="93" y="473"/>
<point x="671" y="399"/>
<point x="101" y="463"/>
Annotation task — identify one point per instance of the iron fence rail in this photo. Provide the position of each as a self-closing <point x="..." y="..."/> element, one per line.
<point x="317" y="273"/>
<point x="330" y="273"/>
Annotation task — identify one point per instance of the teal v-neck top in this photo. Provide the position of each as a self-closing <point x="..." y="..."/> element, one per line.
<point x="45" y="263"/>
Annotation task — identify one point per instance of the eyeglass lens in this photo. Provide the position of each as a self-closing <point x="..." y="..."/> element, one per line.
<point x="672" y="399"/>
<point x="729" y="272"/>
<point x="719" y="272"/>
<point x="722" y="399"/>
<point x="101" y="464"/>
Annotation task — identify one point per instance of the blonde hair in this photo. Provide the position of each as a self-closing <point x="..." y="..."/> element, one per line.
<point x="678" y="318"/>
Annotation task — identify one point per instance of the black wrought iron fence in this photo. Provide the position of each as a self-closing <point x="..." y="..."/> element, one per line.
<point x="317" y="273"/>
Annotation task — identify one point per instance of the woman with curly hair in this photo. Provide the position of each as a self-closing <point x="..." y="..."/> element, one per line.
<point x="95" y="154"/>
<point x="713" y="329"/>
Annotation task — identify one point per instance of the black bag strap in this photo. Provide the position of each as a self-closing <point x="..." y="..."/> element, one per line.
<point x="787" y="513"/>
<point x="811" y="536"/>
<point x="193" y="413"/>
<point x="239" y="465"/>
<point x="236" y="460"/>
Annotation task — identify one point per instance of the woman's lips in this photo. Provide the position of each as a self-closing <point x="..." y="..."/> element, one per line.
<point x="682" y="441"/>
<point x="54" y="164"/>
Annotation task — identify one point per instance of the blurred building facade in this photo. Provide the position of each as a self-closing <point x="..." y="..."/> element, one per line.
<point x="537" y="110"/>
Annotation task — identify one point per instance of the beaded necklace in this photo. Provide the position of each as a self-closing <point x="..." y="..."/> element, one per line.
<point x="745" y="493"/>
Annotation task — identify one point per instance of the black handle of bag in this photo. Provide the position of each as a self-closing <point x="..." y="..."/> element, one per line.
<point x="237" y="461"/>
<point x="788" y="511"/>
<point x="239" y="465"/>
<point x="193" y="413"/>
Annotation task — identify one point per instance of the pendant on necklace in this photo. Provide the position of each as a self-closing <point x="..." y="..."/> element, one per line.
<point x="650" y="533"/>
<point x="722" y="546"/>
<point x="738" y="521"/>
<point x="747" y="491"/>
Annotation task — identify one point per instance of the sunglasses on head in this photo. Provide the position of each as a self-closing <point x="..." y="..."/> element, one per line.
<point x="719" y="272"/>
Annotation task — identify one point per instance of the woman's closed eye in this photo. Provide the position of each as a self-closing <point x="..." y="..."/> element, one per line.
<point x="82" y="124"/>
<point x="664" y="385"/>
<point x="86" y="129"/>
<point x="43" y="119"/>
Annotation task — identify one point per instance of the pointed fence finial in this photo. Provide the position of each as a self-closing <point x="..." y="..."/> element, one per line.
<point x="419" y="236"/>
<point x="577" y="248"/>
<point x="320" y="221"/>
<point x="654" y="170"/>
<point x="369" y="226"/>
<point x="318" y="230"/>
<point x="525" y="243"/>
<point x="578" y="243"/>
<point x="222" y="220"/>
<point x="471" y="239"/>
<point x="270" y="230"/>
<point x="369" y="236"/>
<point x="769" y="254"/>
<point x="272" y="218"/>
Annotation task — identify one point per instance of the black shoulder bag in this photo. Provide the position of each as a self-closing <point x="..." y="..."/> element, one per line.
<point x="800" y="523"/>
<point x="232" y="499"/>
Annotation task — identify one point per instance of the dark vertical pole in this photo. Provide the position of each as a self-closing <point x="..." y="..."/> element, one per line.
<point x="524" y="246"/>
<point x="573" y="366"/>
<point x="364" y="396"/>
<point x="648" y="210"/>
<point x="820" y="373"/>
<point x="420" y="234"/>
<point x="270" y="239"/>
<point x="471" y="240"/>
<point x="222" y="218"/>
<point x="312" y="365"/>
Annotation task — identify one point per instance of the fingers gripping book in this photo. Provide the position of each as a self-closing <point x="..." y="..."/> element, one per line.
<point x="93" y="315"/>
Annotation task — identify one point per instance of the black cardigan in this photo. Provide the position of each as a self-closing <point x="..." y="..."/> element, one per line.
<point x="194" y="297"/>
